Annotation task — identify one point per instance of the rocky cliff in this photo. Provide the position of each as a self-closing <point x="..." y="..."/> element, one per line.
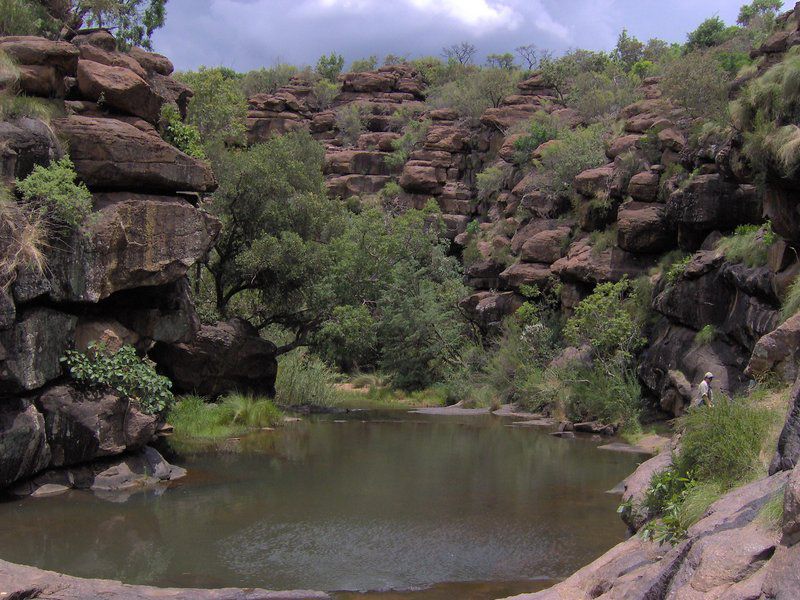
<point x="120" y="279"/>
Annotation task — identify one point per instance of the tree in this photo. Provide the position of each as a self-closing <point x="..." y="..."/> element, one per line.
<point x="529" y="55"/>
<point x="218" y="108"/>
<point x="655" y="50"/>
<point x="395" y="59"/>
<point x="698" y="83"/>
<point x="330" y="67"/>
<point x="462" y="53"/>
<point x="364" y="64"/>
<point x="501" y="61"/>
<point x="628" y="50"/>
<point x="758" y="8"/>
<point x="709" y="33"/>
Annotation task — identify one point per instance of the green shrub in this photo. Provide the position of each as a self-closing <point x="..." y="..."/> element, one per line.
<point x="578" y="150"/>
<point x="23" y="17"/>
<point x="471" y="93"/>
<point x="267" y="81"/>
<point x="749" y="244"/>
<point x="706" y="335"/>
<point x="607" y="392"/>
<point x="699" y="84"/>
<point x="541" y="128"/>
<point x="677" y="269"/>
<point x="326" y="92"/>
<point x="414" y="134"/>
<point x="133" y="377"/>
<point x="303" y="379"/>
<point x="596" y="95"/>
<point x="603" y="240"/>
<point x="490" y="181"/>
<point x="195" y="419"/>
<point x="791" y="303"/>
<point x="248" y="411"/>
<point x="183" y="136"/>
<point x="54" y="189"/>
<point x="722" y="443"/>
<point x="329" y="67"/>
<point x="350" y="122"/>
<point x="364" y="64"/>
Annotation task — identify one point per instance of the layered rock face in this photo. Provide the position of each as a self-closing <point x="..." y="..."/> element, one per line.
<point x="120" y="279"/>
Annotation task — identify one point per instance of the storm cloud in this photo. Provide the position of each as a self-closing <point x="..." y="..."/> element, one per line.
<point x="246" y="34"/>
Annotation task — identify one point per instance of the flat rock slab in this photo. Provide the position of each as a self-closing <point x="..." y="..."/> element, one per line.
<point x="623" y="447"/>
<point x="17" y="581"/>
<point x="451" y="410"/>
<point x="541" y="422"/>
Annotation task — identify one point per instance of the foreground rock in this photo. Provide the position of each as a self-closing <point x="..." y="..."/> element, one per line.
<point x="20" y="582"/>
<point x="223" y="357"/>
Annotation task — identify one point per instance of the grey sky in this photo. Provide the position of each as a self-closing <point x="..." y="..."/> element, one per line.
<point x="246" y="34"/>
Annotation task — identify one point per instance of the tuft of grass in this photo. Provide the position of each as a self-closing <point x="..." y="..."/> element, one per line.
<point x="16" y="107"/>
<point x="791" y="303"/>
<point x="722" y="443"/>
<point x="243" y="410"/>
<point x="749" y="244"/>
<point x="195" y="419"/>
<point x="23" y="237"/>
<point x="706" y="335"/>
<point x="771" y="514"/>
<point x="304" y="379"/>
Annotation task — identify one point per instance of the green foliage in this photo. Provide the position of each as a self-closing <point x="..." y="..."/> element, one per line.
<point x="758" y="9"/>
<point x="248" y="411"/>
<point x="348" y="337"/>
<point x="133" y="21"/>
<point x="183" y="136"/>
<point x="325" y="92"/>
<point x="414" y="134"/>
<point x="471" y="93"/>
<point x="706" y="335"/>
<point x="643" y="69"/>
<point x="749" y="244"/>
<point x="677" y="269"/>
<point x="541" y="128"/>
<point x="350" y="121"/>
<point x="490" y="181"/>
<point x="722" y="443"/>
<point x="577" y="150"/>
<point x="698" y="83"/>
<point x="604" y="321"/>
<point x="501" y="61"/>
<point x="23" y="237"/>
<point x="607" y="392"/>
<point x="196" y="420"/>
<point x="733" y="62"/>
<point x="133" y="377"/>
<point x="23" y="17"/>
<point x="329" y="67"/>
<point x="560" y="73"/>
<point x="364" y="64"/>
<point x="53" y="188"/>
<point x="711" y="32"/>
<point x="218" y="108"/>
<point x="267" y="81"/>
<point x="628" y="50"/>
<point x="772" y="512"/>
<point x="791" y="303"/>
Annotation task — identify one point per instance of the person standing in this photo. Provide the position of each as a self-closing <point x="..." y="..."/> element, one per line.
<point x="705" y="392"/>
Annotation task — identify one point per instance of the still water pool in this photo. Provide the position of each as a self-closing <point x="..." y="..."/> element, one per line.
<point x="459" y="507"/>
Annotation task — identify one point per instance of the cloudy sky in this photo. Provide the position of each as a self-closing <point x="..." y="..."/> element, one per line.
<point x="246" y="34"/>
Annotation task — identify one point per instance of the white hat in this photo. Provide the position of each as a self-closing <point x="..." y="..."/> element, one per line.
<point x="709" y="375"/>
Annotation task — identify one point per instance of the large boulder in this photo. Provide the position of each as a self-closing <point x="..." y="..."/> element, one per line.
<point x="546" y="246"/>
<point x="644" y="186"/>
<point x="119" y="88"/>
<point x="30" y="352"/>
<point x="584" y="264"/>
<point x="519" y="274"/>
<point x="25" y="143"/>
<point x="224" y="357"/>
<point x="151" y="61"/>
<point x="642" y="227"/>
<point x="23" y="444"/>
<point x="83" y="425"/>
<point x="131" y="241"/>
<point x="787" y="455"/>
<point x="488" y="309"/>
<point x="112" y="155"/>
<point x="778" y="352"/>
<point x="29" y="50"/>
<point x="708" y="203"/>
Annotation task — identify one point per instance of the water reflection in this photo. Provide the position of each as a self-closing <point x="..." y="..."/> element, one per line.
<point x="379" y="502"/>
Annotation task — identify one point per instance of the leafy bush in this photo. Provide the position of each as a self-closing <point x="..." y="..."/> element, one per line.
<point x="414" y="134"/>
<point x="329" y="67"/>
<point x="348" y="339"/>
<point x="699" y="84"/>
<point x="350" y="122"/>
<point x="490" y="181"/>
<point x="303" y="379"/>
<point x="183" y="136"/>
<point x="267" y="81"/>
<point x="749" y="244"/>
<point x="364" y="64"/>
<point x="711" y="32"/>
<point x="706" y="335"/>
<point x="474" y="91"/>
<point x="596" y="95"/>
<point x="22" y="17"/>
<point x="325" y="92"/>
<point x="578" y="150"/>
<point x="133" y="377"/>
<point x="604" y="321"/>
<point x="54" y="189"/>
<point x="677" y="269"/>
<point x="722" y="443"/>
<point x="607" y="392"/>
<point x="541" y="128"/>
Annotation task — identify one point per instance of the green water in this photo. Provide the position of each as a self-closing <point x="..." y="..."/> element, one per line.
<point x="461" y="507"/>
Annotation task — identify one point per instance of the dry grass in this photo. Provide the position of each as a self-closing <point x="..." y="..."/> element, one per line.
<point x="23" y="238"/>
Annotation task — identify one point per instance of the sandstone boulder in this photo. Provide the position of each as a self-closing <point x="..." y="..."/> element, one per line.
<point x="488" y="309"/>
<point x="787" y="455"/>
<point x="484" y="274"/>
<point x="152" y="62"/>
<point x="120" y="88"/>
<point x="644" y="186"/>
<point x="594" y="181"/>
<point x="642" y="227"/>
<point x="112" y="334"/>
<point x="583" y="264"/>
<point x="112" y="155"/>
<point x="23" y="443"/>
<point x="33" y="348"/>
<point x="777" y="352"/>
<point x="29" y="50"/>
<point x="224" y="357"/>
<point x="422" y="177"/>
<point x="546" y="246"/>
<point x="111" y="58"/>
<point x="83" y="425"/>
<point x="520" y="274"/>
<point x="25" y="143"/>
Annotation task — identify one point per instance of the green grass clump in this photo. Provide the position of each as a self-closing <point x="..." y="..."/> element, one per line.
<point x="722" y="443"/>
<point x="303" y="379"/>
<point x="16" y="107"/>
<point x="193" y="418"/>
<point x="791" y="303"/>
<point x="749" y="244"/>
<point x="771" y="513"/>
<point x="706" y="335"/>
